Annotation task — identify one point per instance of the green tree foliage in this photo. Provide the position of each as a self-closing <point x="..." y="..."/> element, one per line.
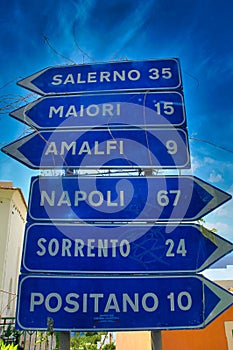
<point x="111" y="346"/>
<point x="7" y="347"/>
<point x="88" y="341"/>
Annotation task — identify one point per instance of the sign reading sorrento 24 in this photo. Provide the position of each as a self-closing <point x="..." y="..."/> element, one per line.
<point x="126" y="75"/>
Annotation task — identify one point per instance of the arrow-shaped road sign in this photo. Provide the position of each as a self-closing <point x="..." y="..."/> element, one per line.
<point x="150" y="109"/>
<point x="113" y="76"/>
<point x="108" y="148"/>
<point x="118" y="303"/>
<point x="158" y="198"/>
<point x="75" y="248"/>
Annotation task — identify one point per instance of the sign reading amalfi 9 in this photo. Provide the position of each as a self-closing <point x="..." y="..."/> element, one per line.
<point x="125" y="75"/>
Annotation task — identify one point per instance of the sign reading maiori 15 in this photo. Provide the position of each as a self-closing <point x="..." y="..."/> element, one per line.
<point x="157" y="74"/>
<point x="151" y="109"/>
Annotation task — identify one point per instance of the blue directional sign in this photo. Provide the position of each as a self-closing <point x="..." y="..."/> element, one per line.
<point x="151" y="109"/>
<point x="111" y="76"/>
<point x="75" y="248"/>
<point x="108" y="148"/>
<point x="118" y="303"/>
<point x="160" y="198"/>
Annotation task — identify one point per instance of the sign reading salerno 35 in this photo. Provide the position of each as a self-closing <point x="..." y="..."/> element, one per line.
<point x="126" y="75"/>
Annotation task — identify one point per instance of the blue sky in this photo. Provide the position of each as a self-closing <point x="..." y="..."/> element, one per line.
<point x="38" y="34"/>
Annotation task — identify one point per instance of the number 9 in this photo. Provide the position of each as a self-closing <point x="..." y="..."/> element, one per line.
<point x="171" y="146"/>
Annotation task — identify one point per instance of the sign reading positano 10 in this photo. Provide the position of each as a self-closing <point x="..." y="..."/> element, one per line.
<point x="119" y="115"/>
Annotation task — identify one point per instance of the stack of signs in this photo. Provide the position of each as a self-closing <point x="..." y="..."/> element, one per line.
<point x="106" y="252"/>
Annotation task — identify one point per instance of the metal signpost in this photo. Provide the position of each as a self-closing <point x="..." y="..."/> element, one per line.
<point x="115" y="76"/>
<point x="77" y="248"/>
<point x="86" y="237"/>
<point x="108" y="148"/>
<point x="138" y="198"/>
<point x="153" y="109"/>
<point x="119" y="303"/>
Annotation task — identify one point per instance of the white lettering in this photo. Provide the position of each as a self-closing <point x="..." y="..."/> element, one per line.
<point x="53" y="247"/>
<point x="40" y="245"/>
<point x="104" y="76"/>
<point x="50" y="200"/>
<point x="58" y="302"/>
<point x="84" y="302"/>
<point x="66" y="245"/>
<point x="85" y="148"/>
<point x="112" y="144"/>
<point x="121" y="147"/>
<point x="93" y="198"/>
<point x="95" y="110"/>
<point x="109" y="202"/>
<point x="57" y="79"/>
<point x="79" y="196"/>
<point x="102" y="247"/>
<point x="134" y="74"/>
<point x="51" y="148"/>
<point x="119" y="75"/>
<point x="101" y="77"/>
<point x="65" y="147"/>
<point x="108" y="109"/>
<point x="122" y="198"/>
<point x="79" y="81"/>
<point x="154" y="300"/>
<point x="112" y="299"/>
<point x="71" y="112"/>
<point x="74" y="303"/>
<point x="92" y="110"/>
<point x="124" y="243"/>
<point x="64" y="199"/>
<point x="96" y="302"/>
<point x="69" y="79"/>
<point x="90" y="247"/>
<point x="107" y="147"/>
<point x="91" y="77"/>
<point x="96" y="148"/>
<point x="36" y="299"/>
<point x="59" y="110"/>
<point x="134" y="304"/>
<point x="114" y="245"/>
<point x="98" y="195"/>
<point x="78" y="248"/>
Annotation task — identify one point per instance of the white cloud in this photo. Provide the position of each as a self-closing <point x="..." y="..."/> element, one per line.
<point x="222" y="228"/>
<point x="230" y="190"/>
<point x="195" y="163"/>
<point x="215" y="177"/>
<point x="208" y="160"/>
<point x="219" y="274"/>
<point x="221" y="211"/>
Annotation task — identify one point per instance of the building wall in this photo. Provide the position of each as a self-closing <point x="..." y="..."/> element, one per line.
<point x="216" y="336"/>
<point x="133" y="341"/>
<point x="12" y="218"/>
<point x="213" y="337"/>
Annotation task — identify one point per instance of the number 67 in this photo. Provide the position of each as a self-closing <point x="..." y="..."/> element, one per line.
<point x="163" y="197"/>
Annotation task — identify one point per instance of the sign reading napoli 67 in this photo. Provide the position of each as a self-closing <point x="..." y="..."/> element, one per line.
<point x="162" y="198"/>
<point x="126" y="75"/>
